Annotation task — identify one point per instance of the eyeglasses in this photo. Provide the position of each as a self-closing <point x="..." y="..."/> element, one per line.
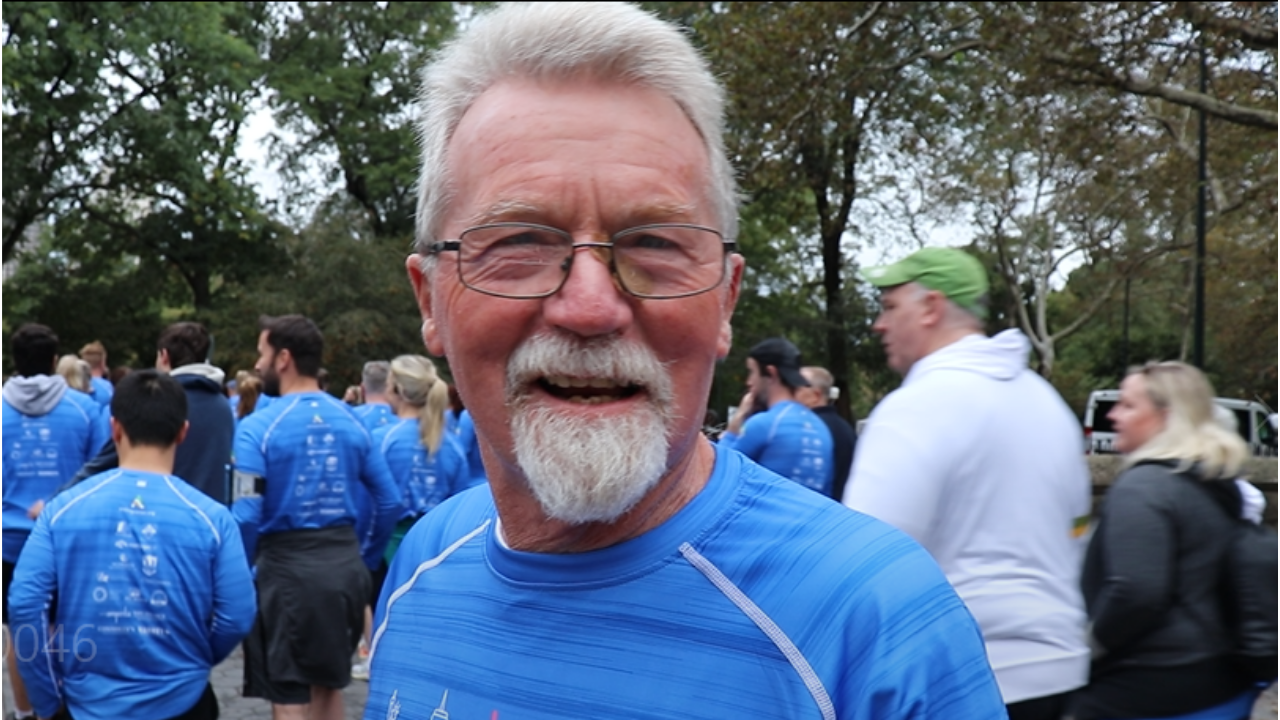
<point x="526" y="261"/>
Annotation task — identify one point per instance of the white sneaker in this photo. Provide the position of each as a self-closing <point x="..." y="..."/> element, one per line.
<point x="360" y="671"/>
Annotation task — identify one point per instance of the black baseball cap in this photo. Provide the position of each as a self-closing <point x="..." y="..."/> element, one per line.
<point x="780" y="353"/>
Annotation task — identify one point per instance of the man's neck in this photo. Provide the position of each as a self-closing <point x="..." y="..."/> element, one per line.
<point x="946" y="337"/>
<point x="292" y="384"/>
<point x="147" y="458"/>
<point x="780" y="393"/>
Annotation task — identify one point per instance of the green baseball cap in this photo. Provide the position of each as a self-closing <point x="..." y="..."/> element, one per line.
<point x="954" y="273"/>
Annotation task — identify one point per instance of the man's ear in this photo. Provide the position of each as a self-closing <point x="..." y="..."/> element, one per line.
<point x="422" y="293"/>
<point x="935" y="308"/>
<point x="117" y="432"/>
<point x="182" y="434"/>
<point x="736" y="265"/>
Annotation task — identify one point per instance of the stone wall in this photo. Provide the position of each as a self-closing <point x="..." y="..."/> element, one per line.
<point x="1261" y="471"/>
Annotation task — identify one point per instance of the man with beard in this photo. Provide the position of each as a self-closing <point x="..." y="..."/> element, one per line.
<point x="783" y="435"/>
<point x="575" y="264"/>
<point x="303" y="455"/>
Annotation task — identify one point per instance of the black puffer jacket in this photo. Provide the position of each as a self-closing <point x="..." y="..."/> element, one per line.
<point x="1151" y="586"/>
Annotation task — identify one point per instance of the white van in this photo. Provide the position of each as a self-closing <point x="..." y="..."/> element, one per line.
<point x="1254" y="421"/>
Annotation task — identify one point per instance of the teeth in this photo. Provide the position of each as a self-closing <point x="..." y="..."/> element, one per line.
<point x="594" y="400"/>
<point x="574" y="382"/>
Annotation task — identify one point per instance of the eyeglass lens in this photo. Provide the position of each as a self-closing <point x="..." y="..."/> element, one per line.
<point x="651" y="261"/>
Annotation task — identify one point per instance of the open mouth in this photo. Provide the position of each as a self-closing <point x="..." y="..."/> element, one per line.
<point x="589" y="391"/>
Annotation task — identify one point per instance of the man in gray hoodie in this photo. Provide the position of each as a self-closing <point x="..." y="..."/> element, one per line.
<point x="48" y="433"/>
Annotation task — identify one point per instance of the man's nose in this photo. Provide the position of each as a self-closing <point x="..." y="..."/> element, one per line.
<point x="590" y="303"/>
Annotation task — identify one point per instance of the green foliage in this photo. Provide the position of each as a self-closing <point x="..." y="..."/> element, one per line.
<point x="344" y="77"/>
<point x="86" y="298"/>
<point x="1063" y="135"/>
<point x="338" y="273"/>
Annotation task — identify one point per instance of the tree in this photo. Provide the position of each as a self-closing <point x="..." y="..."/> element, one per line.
<point x="1144" y="49"/>
<point x="344" y="76"/>
<point x="125" y="120"/>
<point x="817" y="91"/>
<point x="349" y="281"/>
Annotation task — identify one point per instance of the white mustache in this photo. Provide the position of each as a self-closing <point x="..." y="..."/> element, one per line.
<point x="621" y="361"/>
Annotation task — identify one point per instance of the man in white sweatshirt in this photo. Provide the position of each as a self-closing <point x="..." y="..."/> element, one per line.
<point x="979" y="459"/>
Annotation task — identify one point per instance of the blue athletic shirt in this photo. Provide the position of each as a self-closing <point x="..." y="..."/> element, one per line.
<point x="375" y="415"/>
<point x="101" y="390"/>
<point x="757" y="599"/>
<point x="42" y="452"/>
<point x="153" y="591"/>
<point x="791" y="440"/>
<point x="311" y="450"/>
<point x="465" y="430"/>
<point x="425" y="480"/>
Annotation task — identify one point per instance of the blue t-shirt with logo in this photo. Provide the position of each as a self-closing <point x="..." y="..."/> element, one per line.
<point x="312" y="451"/>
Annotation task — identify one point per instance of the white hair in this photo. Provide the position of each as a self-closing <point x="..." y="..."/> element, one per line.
<point x="606" y="41"/>
<point x="582" y="469"/>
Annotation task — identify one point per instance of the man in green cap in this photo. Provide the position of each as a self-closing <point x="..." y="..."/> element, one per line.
<point x="979" y="459"/>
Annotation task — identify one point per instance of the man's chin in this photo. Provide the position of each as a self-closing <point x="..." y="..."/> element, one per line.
<point x="584" y="471"/>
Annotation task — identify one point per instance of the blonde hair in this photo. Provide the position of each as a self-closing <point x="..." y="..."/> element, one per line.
<point x="413" y="379"/>
<point x="1191" y="432"/>
<point x="248" y="390"/>
<point x="76" y="372"/>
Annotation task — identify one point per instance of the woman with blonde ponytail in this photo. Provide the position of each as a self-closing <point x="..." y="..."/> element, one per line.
<point x="426" y="462"/>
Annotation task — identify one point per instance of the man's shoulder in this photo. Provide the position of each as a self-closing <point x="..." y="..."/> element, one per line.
<point x="827" y="544"/>
<point x="98" y="487"/>
<point x="458" y="517"/>
<point x="78" y="404"/>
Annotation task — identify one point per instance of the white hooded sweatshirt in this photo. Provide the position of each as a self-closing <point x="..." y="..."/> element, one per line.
<point x="979" y="459"/>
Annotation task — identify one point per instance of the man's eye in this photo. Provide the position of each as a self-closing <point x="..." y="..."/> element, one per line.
<point x="649" y="241"/>
<point x="527" y="237"/>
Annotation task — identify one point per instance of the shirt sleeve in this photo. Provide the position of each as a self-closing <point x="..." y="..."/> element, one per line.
<point x="1137" y="554"/>
<point x="34" y="582"/>
<point x="376" y="476"/>
<point x="247" y="451"/>
<point x="895" y="476"/>
<point x="234" y="601"/>
<point x="99" y="433"/>
<point x="752" y="441"/>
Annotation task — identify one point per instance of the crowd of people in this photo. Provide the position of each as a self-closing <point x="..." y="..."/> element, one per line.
<point x="554" y="534"/>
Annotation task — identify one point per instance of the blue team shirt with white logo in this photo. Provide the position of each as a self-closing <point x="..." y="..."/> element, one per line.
<point x="312" y="450"/>
<point x="153" y="590"/>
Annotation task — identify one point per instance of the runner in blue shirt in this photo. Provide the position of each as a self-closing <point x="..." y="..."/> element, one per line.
<point x="575" y="263"/>
<point x="48" y="433"/>
<point x="100" y="388"/>
<point x="375" y="411"/>
<point x="786" y="437"/>
<point x="304" y="454"/>
<point x="464" y="429"/>
<point x="150" y="577"/>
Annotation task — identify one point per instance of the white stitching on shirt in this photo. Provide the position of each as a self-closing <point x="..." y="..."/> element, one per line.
<point x="770" y="628"/>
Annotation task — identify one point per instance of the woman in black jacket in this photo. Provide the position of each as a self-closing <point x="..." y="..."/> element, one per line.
<point x="1151" y="580"/>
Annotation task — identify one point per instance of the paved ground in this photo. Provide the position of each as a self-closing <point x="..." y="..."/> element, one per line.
<point x="228" y="676"/>
<point x="227" y="679"/>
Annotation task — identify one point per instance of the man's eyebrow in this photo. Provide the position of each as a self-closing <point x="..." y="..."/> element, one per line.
<point x="522" y="211"/>
<point x="503" y="211"/>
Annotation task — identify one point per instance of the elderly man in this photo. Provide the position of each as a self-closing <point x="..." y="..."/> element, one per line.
<point x="979" y="459"/>
<point x="575" y="264"/>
